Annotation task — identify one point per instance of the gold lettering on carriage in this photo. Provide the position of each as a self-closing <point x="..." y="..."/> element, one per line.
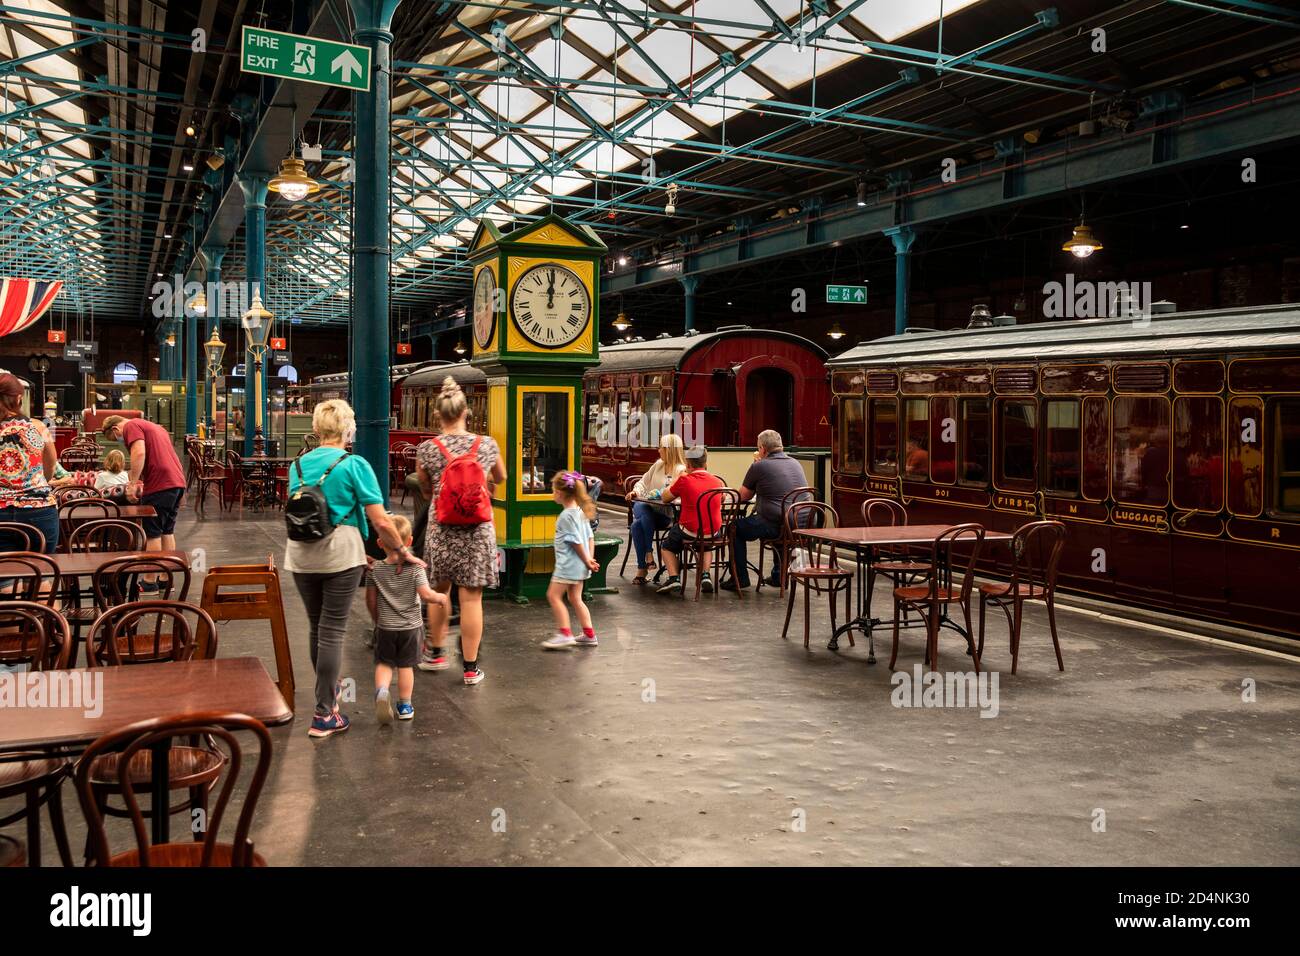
<point x="882" y="487"/>
<point x="1143" y="519"/>
<point x="1013" y="502"/>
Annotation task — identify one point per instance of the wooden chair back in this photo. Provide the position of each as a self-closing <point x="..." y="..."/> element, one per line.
<point x="118" y="581"/>
<point x="1036" y="555"/>
<point x="73" y="493"/>
<point x="20" y="537"/>
<point x="85" y="509"/>
<point x="726" y="501"/>
<point x="40" y="584"/>
<point x="946" y="552"/>
<point x="106" y="535"/>
<point x="803" y="515"/>
<point x="33" y="635"/>
<point x="139" y="738"/>
<point x="150" y="632"/>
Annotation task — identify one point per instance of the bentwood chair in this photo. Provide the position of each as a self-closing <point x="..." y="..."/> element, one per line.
<point x="629" y="484"/>
<point x="36" y="578"/>
<point x="117" y="582"/>
<point x="144" y="633"/>
<point x="953" y="557"/>
<point x="20" y="537"/>
<point x="783" y="544"/>
<point x="897" y="563"/>
<point x="115" y="761"/>
<point x="106" y="535"/>
<point x="823" y="574"/>
<point x="712" y="543"/>
<point x="85" y="509"/>
<point x="208" y="474"/>
<point x="1035" y="556"/>
<point x="35" y="637"/>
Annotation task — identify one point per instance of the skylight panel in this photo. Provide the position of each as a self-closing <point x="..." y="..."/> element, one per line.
<point x="891" y="19"/>
<point x="572" y="63"/>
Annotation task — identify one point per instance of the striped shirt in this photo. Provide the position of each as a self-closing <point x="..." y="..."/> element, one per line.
<point x="398" y="607"/>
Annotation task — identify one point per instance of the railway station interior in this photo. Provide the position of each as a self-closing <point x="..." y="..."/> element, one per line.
<point x="637" y="433"/>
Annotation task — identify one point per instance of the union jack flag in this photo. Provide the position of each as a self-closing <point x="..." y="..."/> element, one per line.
<point x="23" y="301"/>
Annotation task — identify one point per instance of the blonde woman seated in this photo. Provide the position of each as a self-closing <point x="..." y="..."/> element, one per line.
<point x="649" y="514"/>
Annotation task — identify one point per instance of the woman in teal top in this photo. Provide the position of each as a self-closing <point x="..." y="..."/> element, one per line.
<point x="328" y="572"/>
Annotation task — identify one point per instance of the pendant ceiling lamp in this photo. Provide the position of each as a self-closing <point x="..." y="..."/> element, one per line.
<point x="292" y="182"/>
<point x="1082" y="243"/>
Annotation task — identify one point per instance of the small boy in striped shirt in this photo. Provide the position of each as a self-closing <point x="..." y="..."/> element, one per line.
<point x="396" y="600"/>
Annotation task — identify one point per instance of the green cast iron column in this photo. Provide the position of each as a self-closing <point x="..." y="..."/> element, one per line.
<point x="370" y="358"/>
<point x="903" y="237"/>
<point x="254" y="187"/>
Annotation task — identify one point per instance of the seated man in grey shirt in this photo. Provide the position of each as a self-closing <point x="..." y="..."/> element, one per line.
<point x="772" y="476"/>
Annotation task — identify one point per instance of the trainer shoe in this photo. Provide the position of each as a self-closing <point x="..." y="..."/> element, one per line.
<point x="475" y="676"/>
<point x="433" y="660"/>
<point x="706" y="584"/>
<point x="674" y="583"/>
<point x="384" y="707"/>
<point x="327" y="726"/>
<point x="558" y="641"/>
<point x="582" y="640"/>
<point x="405" y="710"/>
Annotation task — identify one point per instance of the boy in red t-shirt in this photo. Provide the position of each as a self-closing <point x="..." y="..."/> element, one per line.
<point x="687" y="491"/>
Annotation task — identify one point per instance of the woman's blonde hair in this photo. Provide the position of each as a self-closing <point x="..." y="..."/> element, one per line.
<point x="332" y="419"/>
<point x="451" y="401"/>
<point x="114" y="461"/>
<point x="671" y="453"/>
<point x="574" y="487"/>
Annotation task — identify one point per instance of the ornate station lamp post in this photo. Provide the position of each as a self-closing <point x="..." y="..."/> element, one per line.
<point x="257" y="330"/>
<point x="214" y="349"/>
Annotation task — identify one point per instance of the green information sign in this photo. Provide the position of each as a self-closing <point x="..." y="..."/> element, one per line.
<point x="309" y="59"/>
<point x="849" y="294"/>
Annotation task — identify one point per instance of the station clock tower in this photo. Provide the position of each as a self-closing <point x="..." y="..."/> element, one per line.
<point x="536" y="324"/>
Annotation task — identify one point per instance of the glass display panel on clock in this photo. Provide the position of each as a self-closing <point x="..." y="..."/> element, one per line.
<point x="545" y="434"/>
<point x="550" y="305"/>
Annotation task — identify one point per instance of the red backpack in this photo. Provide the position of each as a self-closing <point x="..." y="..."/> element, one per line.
<point x="463" y="497"/>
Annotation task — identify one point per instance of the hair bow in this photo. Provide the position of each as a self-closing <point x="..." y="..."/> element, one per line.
<point x="570" y="478"/>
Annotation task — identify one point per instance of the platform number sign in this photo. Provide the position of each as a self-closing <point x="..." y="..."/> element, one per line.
<point x="846" y="294"/>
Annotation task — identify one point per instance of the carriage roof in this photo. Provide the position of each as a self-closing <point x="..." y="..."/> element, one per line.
<point x="1220" y="330"/>
<point x="432" y="375"/>
<point x="672" y="352"/>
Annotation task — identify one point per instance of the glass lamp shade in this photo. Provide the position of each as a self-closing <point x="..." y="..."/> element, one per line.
<point x="214" y="349"/>
<point x="835" y="332"/>
<point x="622" y="322"/>
<point x="257" y="323"/>
<point x="171" y="339"/>
<point x="1082" y="242"/>
<point x="199" y="304"/>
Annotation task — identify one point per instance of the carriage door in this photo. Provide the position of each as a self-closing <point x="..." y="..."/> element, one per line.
<point x="623" y="421"/>
<point x="768" y="402"/>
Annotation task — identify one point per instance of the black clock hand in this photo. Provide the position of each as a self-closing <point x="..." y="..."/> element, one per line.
<point x="550" y="291"/>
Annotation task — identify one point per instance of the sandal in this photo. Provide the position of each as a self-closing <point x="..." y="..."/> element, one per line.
<point x="640" y="579"/>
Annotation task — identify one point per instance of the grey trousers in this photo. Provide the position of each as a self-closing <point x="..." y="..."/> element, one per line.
<point x="328" y="598"/>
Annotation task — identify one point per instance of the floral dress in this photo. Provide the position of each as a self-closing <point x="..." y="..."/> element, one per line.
<point x="465" y="555"/>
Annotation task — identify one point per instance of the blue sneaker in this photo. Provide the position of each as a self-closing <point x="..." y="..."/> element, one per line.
<point x="327" y="726"/>
<point x="405" y="710"/>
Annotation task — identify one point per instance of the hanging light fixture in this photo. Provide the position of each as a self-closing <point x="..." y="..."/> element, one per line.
<point x="622" y="323"/>
<point x="835" y="332"/>
<point x="1082" y="243"/>
<point x="460" y="347"/>
<point x="292" y="182"/>
<point x="862" y="191"/>
<point x="171" y="339"/>
<point x="199" y="304"/>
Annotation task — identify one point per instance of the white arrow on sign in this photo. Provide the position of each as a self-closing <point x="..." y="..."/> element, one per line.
<point x="346" y="65"/>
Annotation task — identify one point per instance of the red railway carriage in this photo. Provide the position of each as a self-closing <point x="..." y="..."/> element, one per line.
<point x="1170" y="449"/>
<point x="718" y="388"/>
<point x="305" y="398"/>
<point x="419" y="393"/>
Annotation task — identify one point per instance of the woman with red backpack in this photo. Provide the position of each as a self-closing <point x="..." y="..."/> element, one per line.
<point x="457" y="471"/>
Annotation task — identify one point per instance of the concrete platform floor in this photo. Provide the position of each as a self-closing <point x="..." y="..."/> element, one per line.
<point x="754" y="751"/>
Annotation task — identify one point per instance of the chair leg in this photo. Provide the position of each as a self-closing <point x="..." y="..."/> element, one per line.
<point x="807" y="614"/>
<point x="932" y="636"/>
<point x="33" y="800"/>
<point x="1015" y="634"/>
<point x="54" y="806"/>
<point x="789" y="608"/>
<point x="979" y="648"/>
<point x="848" y="609"/>
<point x="970" y="640"/>
<point x="762" y="550"/>
<point x="732" y="556"/>
<point x="894" y="654"/>
<point x="1051" y="621"/>
<point x="626" y="551"/>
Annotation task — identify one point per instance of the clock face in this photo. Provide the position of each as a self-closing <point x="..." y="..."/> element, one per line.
<point x="485" y="287"/>
<point x="550" y="305"/>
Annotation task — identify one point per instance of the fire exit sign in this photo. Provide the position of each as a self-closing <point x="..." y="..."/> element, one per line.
<point x="847" y="294"/>
<point x="310" y="59"/>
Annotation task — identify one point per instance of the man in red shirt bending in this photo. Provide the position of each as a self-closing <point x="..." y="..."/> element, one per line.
<point x="687" y="491"/>
<point x="155" y="463"/>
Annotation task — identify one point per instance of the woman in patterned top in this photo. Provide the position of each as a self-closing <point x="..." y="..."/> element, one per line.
<point x="463" y="555"/>
<point x="27" y="460"/>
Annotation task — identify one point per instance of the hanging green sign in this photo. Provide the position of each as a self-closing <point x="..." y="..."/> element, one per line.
<point x="852" y="294"/>
<point x="310" y="59"/>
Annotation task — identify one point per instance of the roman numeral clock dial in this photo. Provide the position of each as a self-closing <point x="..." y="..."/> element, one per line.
<point x="551" y="306"/>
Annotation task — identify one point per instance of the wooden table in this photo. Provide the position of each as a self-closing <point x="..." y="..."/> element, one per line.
<point x="863" y="542"/>
<point x="133" y="513"/>
<point x="87" y="563"/>
<point x="142" y="692"/>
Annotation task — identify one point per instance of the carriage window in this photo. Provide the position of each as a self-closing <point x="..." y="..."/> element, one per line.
<point x="592" y="401"/>
<point x="1096" y="443"/>
<point x="545" y="439"/>
<point x="1198" y="453"/>
<point x="975" y="425"/>
<point x="943" y="439"/>
<point x="1286" y="456"/>
<point x="916" y="429"/>
<point x="1061" y="447"/>
<point x="1017" y="427"/>
<point x="884" y="437"/>
<point x="1245" y="456"/>
<point x="851" y="449"/>
<point x="1140" y="452"/>
<point x="652" y="419"/>
<point x="624" y="413"/>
